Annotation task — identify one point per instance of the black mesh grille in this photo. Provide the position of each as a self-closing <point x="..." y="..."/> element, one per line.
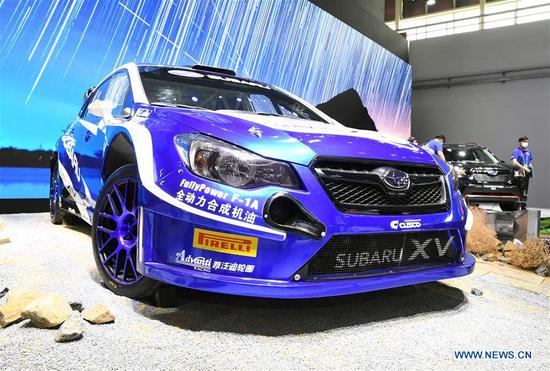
<point x="366" y="252"/>
<point x="355" y="187"/>
<point x="354" y="194"/>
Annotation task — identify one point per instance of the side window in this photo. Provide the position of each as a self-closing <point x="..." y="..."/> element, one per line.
<point x="117" y="92"/>
<point x="99" y="94"/>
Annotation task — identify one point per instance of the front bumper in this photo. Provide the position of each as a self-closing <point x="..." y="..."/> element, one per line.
<point x="167" y="251"/>
<point x="491" y="193"/>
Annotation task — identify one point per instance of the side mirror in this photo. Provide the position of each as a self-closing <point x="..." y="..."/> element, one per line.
<point x="127" y="113"/>
<point x="87" y="94"/>
<point x="100" y="107"/>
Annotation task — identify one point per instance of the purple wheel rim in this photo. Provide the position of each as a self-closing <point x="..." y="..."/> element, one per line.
<point x="117" y="231"/>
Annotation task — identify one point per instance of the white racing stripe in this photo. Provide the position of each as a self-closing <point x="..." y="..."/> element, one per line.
<point x="89" y="126"/>
<point x="291" y="125"/>
<point x="68" y="184"/>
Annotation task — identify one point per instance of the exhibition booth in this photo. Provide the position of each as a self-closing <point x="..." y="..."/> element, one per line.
<point x="161" y="158"/>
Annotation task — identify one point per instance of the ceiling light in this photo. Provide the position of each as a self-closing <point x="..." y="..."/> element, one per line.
<point x="430" y="2"/>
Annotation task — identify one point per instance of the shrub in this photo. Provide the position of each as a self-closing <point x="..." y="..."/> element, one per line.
<point x="533" y="255"/>
<point x="481" y="239"/>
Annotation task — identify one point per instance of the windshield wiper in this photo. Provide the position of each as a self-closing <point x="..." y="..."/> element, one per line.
<point x="191" y="107"/>
<point x="178" y="105"/>
<point x="278" y="115"/>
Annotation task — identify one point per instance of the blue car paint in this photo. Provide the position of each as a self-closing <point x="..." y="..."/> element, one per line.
<point x="167" y="230"/>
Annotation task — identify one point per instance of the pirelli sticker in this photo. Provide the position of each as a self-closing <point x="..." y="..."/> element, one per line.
<point x="225" y="242"/>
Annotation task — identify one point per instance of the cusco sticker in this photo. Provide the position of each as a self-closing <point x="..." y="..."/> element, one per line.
<point x="225" y="242"/>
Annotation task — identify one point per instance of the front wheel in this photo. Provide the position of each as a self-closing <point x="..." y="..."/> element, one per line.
<point x="115" y="235"/>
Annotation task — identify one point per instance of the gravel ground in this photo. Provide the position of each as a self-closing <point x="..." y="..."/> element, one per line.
<point x="416" y="327"/>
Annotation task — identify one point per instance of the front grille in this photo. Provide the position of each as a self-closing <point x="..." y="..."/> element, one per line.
<point x="366" y="253"/>
<point x="486" y="178"/>
<point x="356" y="187"/>
<point x="353" y="194"/>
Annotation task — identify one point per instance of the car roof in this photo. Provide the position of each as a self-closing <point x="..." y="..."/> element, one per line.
<point x="205" y="69"/>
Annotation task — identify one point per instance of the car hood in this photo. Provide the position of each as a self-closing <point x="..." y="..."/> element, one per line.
<point x="296" y="140"/>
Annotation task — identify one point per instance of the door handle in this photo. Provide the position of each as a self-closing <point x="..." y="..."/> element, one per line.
<point x="87" y="136"/>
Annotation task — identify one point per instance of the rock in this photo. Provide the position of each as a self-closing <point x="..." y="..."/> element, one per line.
<point x="49" y="310"/>
<point x="76" y="306"/>
<point x="98" y="314"/>
<point x="17" y="299"/>
<point x="518" y="243"/>
<point x="4" y="240"/>
<point x="543" y="271"/>
<point x="509" y="246"/>
<point x="72" y="329"/>
<point x="489" y="257"/>
<point x="504" y="259"/>
<point x="476" y="292"/>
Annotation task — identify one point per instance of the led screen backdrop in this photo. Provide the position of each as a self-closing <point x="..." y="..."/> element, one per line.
<point x="51" y="51"/>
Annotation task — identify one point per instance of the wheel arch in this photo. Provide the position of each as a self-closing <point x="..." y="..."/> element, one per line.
<point x="118" y="153"/>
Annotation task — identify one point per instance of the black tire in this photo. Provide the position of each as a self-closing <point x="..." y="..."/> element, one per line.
<point x="509" y="206"/>
<point x="56" y="214"/>
<point x="144" y="286"/>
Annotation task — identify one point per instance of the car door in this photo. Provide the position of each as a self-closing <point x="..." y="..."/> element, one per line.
<point x="90" y="135"/>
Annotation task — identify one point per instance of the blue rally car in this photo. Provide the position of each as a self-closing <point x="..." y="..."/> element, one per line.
<point x="199" y="178"/>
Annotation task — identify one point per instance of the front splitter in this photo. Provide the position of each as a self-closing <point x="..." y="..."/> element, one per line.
<point x="299" y="290"/>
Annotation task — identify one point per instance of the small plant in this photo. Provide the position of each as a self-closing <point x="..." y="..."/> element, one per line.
<point x="481" y="239"/>
<point x="533" y="255"/>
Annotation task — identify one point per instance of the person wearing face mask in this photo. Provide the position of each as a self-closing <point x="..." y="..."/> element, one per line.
<point x="522" y="158"/>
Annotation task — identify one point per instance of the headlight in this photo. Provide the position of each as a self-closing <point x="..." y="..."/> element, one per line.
<point x="458" y="171"/>
<point x="228" y="164"/>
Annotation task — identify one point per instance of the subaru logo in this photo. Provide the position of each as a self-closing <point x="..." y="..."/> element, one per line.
<point x="492" y="172"/>
<point x="394" y="179"/>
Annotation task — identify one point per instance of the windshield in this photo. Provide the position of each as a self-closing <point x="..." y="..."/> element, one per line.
<point x="476" y="154"/>
<point x="177" y="87"/>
